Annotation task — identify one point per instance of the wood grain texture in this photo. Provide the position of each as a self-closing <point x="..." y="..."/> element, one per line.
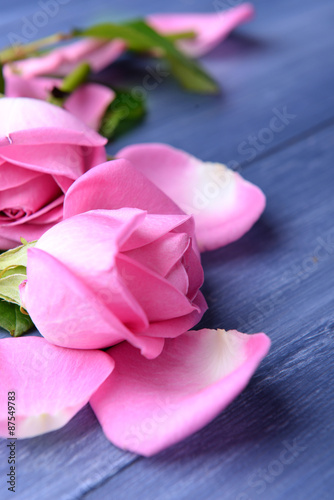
<point x="279" y="278"/>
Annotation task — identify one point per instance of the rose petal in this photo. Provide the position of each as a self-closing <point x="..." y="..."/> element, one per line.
<point x="210" y="28"/>
<point x="224" y="205"/>
<point x="159" y="299"/>
<point x="172" y="246"/>
<point x="10" y="236"/>
<point x="31" y="196"/>
<point x="89" y="103"/>
<point x="174" y="327"/>
<point x="31" y="122"/>
<point x="17" y="85"/>
<point x="145" y="406"/>
<point x="76" y="317"/>
<point x="66" y="160"/>
<point x="51" y="384"/>
<point x="12" y="176"/>
<point x="39" y="216"/>
<point x="113" y="185"/>
<point x="103" y="229"/>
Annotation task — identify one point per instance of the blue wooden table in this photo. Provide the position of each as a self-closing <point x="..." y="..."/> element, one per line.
<point x="276" y="440"/>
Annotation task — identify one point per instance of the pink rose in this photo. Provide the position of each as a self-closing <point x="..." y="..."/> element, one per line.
<point x="108" y="273"/>
<point x="43" y="149"/>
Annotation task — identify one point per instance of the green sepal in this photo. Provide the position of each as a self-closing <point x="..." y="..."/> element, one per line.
<point x="123" y="113"/>
<point x="13" y="320"/>
<point x="13" y="264"/>
<point x="16" y="257"/>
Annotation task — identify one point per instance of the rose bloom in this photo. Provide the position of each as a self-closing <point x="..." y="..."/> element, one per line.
<point x="43" y="149"/>
<point x="123" y="265"/>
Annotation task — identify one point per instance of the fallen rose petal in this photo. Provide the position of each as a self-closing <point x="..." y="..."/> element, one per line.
<point x="89" y="103"/>
<point x="210" y="28"/>
<point x="51" y="384"/>
<point x="17" y="85"/>
<point x="145" y="406"/>
<point x="224" y="205"/>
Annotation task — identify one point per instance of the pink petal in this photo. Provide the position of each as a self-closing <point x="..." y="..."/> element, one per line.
<point x="10" y="235"/>
<point x="171" y="328"/>
<point x="76" y="317"/>
<point x="116" y="184"/>
<point x="17" y="85"/>
<point x="40" y="216"/>
<point x="93" y="237"/>
<point x="55" y="159"/>
<point x="224" y="205"/>
<point x="31" y="196"/>
<point x="89" y="103"/>
<point x="32" y="121"/>
<point x="172" y="246"/>
<point x="146" y="406"/>
<point x="156" y="226"/>
<point x="12" y="176"/>
<point x="210" y="28"/>
<point x="51" y="384"/>
<point x="159" y="299"/>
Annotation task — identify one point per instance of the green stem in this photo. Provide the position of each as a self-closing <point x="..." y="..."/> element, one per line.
<point x="71" y="82"/>
<point x="182" y="35"/>
<point x="78" y="76"/>
<point x="15" y="53"/>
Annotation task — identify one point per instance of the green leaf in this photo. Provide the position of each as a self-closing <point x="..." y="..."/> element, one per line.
<point x="141" y="37"/>
<point x="13" y="320"/>
<point x="123" y="113"/>
<point x="15" y="257"/>
<point x="135" y="39"/>
<point x="188" y="72"/>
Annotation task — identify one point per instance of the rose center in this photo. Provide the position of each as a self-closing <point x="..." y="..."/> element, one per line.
<point x="12" y="213"/>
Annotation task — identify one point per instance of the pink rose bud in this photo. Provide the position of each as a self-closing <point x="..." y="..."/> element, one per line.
<point x="111" y="273"/>
<point x="43" y="149"/>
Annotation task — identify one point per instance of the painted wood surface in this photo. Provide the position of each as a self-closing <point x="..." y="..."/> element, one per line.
<point x="276" y="440"/>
